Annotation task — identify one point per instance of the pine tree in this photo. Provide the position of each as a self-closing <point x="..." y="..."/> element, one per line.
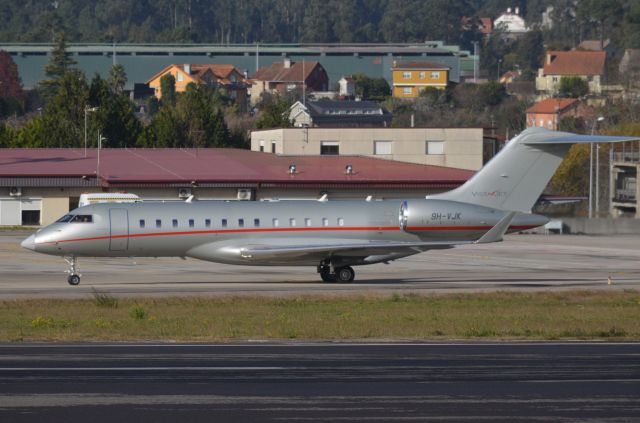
<point x="60" y="62"/>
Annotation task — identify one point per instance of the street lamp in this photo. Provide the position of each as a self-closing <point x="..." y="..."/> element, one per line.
<point x="87" y="109"/>
<point x="593" y="128"/>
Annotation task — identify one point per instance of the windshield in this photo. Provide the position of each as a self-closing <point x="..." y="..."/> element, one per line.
<point x="82" y="218"/>
<point x="65" y="218"/>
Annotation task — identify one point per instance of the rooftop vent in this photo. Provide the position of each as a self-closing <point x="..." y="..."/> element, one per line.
<point x="348" y="169"/>
<point x="292" y="169"/>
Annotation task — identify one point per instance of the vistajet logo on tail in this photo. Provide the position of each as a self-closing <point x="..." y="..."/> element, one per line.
<point x="489" y="193"/>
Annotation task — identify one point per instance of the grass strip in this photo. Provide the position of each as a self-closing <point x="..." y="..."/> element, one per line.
<point x="499" y="315"/>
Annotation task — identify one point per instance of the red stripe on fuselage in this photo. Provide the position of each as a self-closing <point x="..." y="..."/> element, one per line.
<point x="301" y="229"/>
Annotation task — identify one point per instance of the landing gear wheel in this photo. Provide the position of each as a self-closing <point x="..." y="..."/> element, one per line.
<point x="326" y="275"/>
<point x="73" y="280"/>
<point x="345" y="274"/>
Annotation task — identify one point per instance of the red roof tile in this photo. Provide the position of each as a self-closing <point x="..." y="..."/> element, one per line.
<point x="278" y="73"/>
<point x="163" y="166"/>
<point x="574" y="63"/>
<point x="420" y="65"/>
<point x="552" y="105"/>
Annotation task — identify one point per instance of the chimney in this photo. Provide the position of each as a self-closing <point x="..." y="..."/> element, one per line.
<point x="187" y="68"/>
<point x="550" y="58"/>
<point x="517" y="10"/>
<point x="508" y="10"/>
<point x="287" y="63"/>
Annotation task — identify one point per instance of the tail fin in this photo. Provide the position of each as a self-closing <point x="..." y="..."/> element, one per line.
<point x="515" y="177"/>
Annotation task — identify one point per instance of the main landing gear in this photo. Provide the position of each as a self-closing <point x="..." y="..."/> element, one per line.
<point x="344" y="274"/>
<point x="74" y="276"/>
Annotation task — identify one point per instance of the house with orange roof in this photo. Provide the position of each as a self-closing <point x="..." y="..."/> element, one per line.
<point x="548" y="113"/>
<point x="286" y="76"/>
<point x="588" y="65"/>
<point x="223" y="76"/>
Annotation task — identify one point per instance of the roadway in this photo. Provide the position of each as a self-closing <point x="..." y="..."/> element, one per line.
<point x="522" y="262"/>
<point x="320" y="382"/>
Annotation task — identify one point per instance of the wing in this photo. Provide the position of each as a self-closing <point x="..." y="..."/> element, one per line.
<point x="303" y="251"/>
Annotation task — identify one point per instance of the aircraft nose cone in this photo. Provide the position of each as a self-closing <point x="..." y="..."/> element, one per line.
<point x="29" y="243"/>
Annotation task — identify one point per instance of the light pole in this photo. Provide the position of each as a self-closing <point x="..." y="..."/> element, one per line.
<point x="87" y="109"/>
<point x="593" y="128"/>
<point x="475" y="62"/>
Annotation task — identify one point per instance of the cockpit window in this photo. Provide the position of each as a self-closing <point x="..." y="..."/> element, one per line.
<point x="82" y="218"/>
<point x="65" y="218"/>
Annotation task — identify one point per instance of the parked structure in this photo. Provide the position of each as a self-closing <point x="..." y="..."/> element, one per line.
<point x="410" y="78"/>
<point x="625" y="195"/>
<point x="350" y="114"/>
<point x="588" y="65"/>
<point x="548" y="113"/>
<point x="37" y="186"/>
<point x="452" y="147"/>
<point x="288" y="76"/>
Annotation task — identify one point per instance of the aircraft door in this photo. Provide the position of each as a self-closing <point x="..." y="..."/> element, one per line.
<point x="119" y="230"/>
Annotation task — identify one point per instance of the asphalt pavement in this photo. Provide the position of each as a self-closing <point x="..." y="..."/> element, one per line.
<point x="250" y="382"/>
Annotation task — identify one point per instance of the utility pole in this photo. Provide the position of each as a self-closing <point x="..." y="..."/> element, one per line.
<point x="87" y="109"/>
<point x="475" y="62"/>
<point x="593" y="128"/>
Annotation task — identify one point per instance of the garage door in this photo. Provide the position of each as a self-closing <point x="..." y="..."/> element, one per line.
<point x="10" y="212"/>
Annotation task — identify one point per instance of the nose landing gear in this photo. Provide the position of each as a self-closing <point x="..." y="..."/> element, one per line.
<point x="74" y="276"/>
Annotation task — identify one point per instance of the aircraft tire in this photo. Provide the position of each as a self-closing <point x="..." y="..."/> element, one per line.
<point x="345" y="274"/>
<point x="73" y="280"/>
<point x="327" y="276"/>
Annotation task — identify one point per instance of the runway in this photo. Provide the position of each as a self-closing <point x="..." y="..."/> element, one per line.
<point x="321" y="382"/>
<point x="521" y="262"/>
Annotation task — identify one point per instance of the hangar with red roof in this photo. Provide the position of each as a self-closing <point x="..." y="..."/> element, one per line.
<point x="39" y="185"/>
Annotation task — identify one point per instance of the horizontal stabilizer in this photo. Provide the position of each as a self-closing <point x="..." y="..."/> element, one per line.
<point x="496" y="233"/>
<point x="579" y="139"/>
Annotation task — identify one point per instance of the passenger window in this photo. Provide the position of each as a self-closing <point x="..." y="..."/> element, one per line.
<point x="241" y="223"/>
<point x="142" y="223"/>
<point x="340" y="221"/>
<point x="207" y="223"/>
<point x="256" y="223"/>
<point x="158" y="223"/>
<point x="307" y="221"/>
<point x="224" y="223"/>
<point x="292" y="222"/>
<point x="192" y="223"/>
<point x="276" y="223"/>
<point x="174" y="222"/>
<point x="325" y="221"/>
<point x="82" y="218"/>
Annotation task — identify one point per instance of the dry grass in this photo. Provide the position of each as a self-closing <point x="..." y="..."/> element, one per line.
<point x="501" y="315"/>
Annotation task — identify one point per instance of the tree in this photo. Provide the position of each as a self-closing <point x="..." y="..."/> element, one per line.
<point x="371" y="88"/>
<point x="573" y="87"/>
<point x="60" y="62"/>
<point x="10" y="84"/>
<point x="274" y="114"/>
<point x="117" y="78"/>
<point x="168" y="90"/>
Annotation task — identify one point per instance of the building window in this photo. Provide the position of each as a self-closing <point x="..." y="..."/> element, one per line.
<point x="262" y="145"/>
<point x="224" y="223"/>
<point x="435" y="75"/>
<point x="307" y="222"/>
<point x="142" y="223"/>
<point x="256" y="223"/>
<point x="329" y="148"/>
<point x="435" y="147"/>
<point x="273" y="147"/>
<point x="325" y="221"/>
<point x="423" y="75"/>
<point x="292" y="222"/>
<point x="174" y="222"/>
<point x="407" y="90"/>
<point x="158" y="223"/>
<point x="340" y="221"/>
<point x="192" y="223"/>
<point x="179" y="77"/>
<point x="207" y="223"/>
<point x="275" y="222"/>
<point x="241" y="223"/>
<point x="406" y="75"/>
<point x="381" y="147"/>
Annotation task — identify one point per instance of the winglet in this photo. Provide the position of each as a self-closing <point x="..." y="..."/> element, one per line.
<point x="496" y="233"/>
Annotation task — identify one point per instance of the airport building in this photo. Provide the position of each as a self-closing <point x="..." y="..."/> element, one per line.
<point x="37" y="186"/>
<point x="625" y="169"/>
<point x="463" y="148"/>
